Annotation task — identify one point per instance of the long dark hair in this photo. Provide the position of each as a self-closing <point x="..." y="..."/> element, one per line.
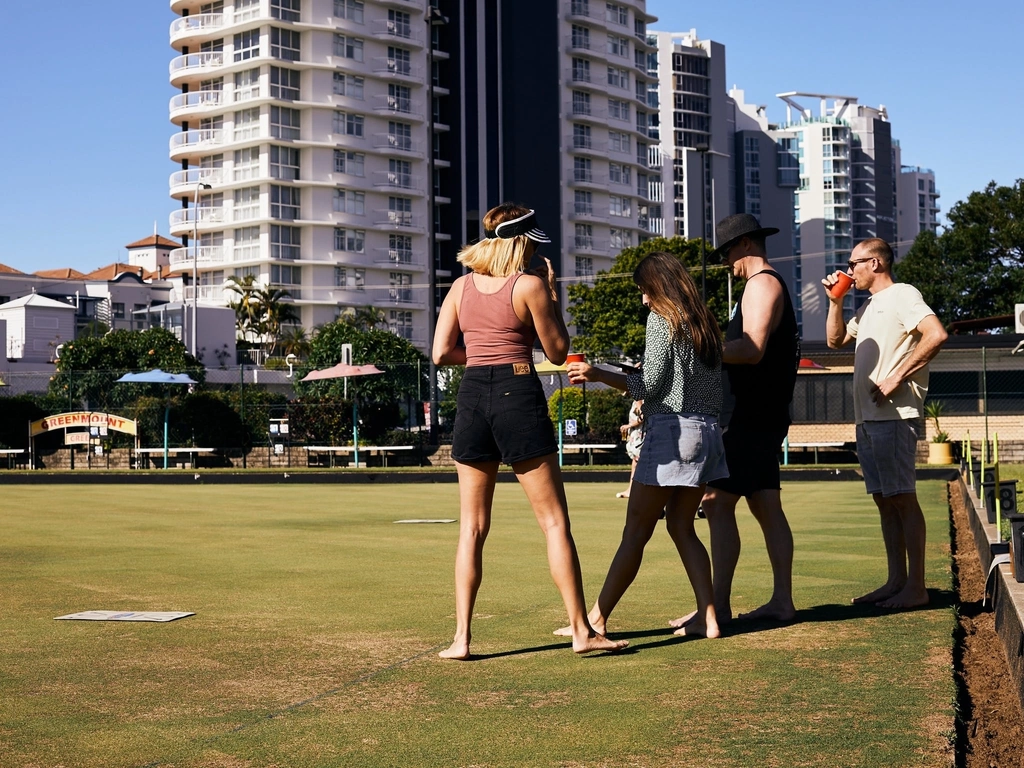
<point x="673" y="295"/>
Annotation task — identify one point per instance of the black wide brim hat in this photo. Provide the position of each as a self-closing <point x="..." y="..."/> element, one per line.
<point x="732" y="229"/>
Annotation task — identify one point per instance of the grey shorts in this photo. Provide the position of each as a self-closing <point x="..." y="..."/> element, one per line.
<point x="681" y="449"/>
<point x="886" y="450"/>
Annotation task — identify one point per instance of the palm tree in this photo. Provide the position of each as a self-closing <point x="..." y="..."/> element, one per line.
<point x="364" y="318"/>
<point x="274" y="311"/>
<point x="246" y="306"/>
<point x="294" y="341"/>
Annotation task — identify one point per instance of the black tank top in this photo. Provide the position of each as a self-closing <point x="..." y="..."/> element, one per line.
<point x="762" y="393"/>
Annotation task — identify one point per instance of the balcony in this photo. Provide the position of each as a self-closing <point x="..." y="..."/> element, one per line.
<point x="212" y="294"/>
<point x="580" y="178"/>
<point x="397" y="257"/>
<point x="190" y="29"/>
<point x="406" y="332"/>
<point x="208" y="254"/>
<point x="583" y="211"/>
<point x="585" y="145"/>
<point x="581" y="77"/>
<point x="384" y="104"/>
<point x="576" y="9"/>
<point x="395" y="180"/>
<point x="387" y="29"/>
<point x="397" y="220"/>
<point x="392" y="143"/>
<point x="194" y="65"/>
<point x="578" y="43"/>
<point x="400" y="295"/>
<point x="183" y="183"/>
<point x="583" y="110"/>
<point x="187" y="143"/>
<point x="588" y="244"/>
<point x="397" y="68"/>
<point x="186" y="104"/>
<point x="184" y="220"/>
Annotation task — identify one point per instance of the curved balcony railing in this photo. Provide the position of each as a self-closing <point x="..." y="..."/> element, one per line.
<point x="386" y="65"/>
<point x="194" y="176"/>
<point x="583" y="110"/>
<point x="208" y="254"/>
<point x="396" y="30"/>
<point x="397" y="257"/>
<point x="196" y="62"/>
<point x="203" y="137"/>
<point x="398" y="105"/>
<point x="394" y="180"/>
<point x="195" y="100"/>
<point x="397" y="219"/>
<point x="205" y="216"/>
<point x="396" y="143"/>
<point x="202" y="24"/>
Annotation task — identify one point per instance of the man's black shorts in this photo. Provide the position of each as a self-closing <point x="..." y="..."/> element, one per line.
<point x="753" y="458"/>
<point x="501" y="415"/>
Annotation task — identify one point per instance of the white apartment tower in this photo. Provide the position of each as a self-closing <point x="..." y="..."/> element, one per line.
<point x="918" y="205"/>
<point x="303" y="144"/>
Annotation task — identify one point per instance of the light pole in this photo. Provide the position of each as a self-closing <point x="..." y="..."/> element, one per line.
<point x="195" y="265"/>
<point x="433" y="18"/>
<point x="704" y="150"/>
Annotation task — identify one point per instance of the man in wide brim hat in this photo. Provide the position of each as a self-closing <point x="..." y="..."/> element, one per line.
<point x="730" y="230"/>
<point x="760" y="357"/>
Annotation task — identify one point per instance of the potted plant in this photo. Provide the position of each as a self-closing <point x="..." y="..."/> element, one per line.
<point x="940" y="450"/>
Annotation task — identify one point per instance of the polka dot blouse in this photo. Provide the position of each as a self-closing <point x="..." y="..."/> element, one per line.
<point x="673" y="378"/>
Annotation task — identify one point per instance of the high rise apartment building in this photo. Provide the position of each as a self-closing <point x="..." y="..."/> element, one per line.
<point x="918" y="206"/>
<point x="305" y="134"/>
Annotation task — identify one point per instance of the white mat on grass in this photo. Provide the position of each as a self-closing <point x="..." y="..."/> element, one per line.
<point x="126" y="615"/>
<point x="420" y="520"/>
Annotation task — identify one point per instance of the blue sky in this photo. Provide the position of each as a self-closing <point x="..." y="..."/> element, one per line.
<point x="87" y="126"/>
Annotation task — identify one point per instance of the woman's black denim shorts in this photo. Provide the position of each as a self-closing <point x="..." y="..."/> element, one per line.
<point x="501" y="415"/>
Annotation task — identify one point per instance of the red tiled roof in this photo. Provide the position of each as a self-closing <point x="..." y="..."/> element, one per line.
<point x="4" y="269"/>
<point x="65" y="273"/>
<point x="111" y="271"/>
<point x="154" y="240"/>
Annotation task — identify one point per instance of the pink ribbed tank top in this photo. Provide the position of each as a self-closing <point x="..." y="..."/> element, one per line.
<point x="493" y="333"/>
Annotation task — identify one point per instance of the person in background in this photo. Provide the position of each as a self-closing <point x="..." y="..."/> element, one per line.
<point x="680" y="385"/>
<point x="897" y="334"/>
<point x="633" y="434"/>
<point x="501" y="413"/>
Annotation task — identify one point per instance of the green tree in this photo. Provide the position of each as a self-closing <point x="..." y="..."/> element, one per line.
<point x="572" y="406"/>
<point x="294" y="341"/>
<point x="607" y="411"/>
<point x="975" y="268"/>
<point x="609" y="319"/>
<point x="274" y="311"/>
<point x="246" y="305"/>
<point x="364" y="318"/>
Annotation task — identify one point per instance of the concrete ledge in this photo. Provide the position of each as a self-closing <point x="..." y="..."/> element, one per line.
<point x="1007" y="594"/>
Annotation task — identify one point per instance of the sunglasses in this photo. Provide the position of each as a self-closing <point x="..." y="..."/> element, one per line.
<point x="855" y="262"/>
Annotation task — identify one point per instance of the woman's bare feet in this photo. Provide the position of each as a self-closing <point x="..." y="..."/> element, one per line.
<point x="772" y="611"/>
<point x="458" y="651"/>
<point x="596" y="642"/>
<point x="906" y="598"/>
<point x="622" y="495"/>
<point x="706" y="627"/>
<point x="884" y="592"/>
<point x="596" y="623"/>
<point x="722" y="617"/>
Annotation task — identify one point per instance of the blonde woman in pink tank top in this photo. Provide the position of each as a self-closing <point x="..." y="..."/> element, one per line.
<point x="501" y="413"/>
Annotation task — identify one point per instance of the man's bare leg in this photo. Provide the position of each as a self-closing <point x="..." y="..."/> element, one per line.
<point x="766" y="506"/>
<point x="541" y="479"/>
<point x="679" y="517"/>
<point x="720" y="508"/>
<point x="642" y="514"/>
<point x="476" y="495"/>
<point x="895" y="551"/>
<point x="913" y="527"/>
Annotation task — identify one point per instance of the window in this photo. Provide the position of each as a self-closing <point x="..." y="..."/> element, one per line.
<point x="920" y="184"/>
<point x="581" y="169"/>
<point x="400" y="249"/>
<point x="348" y="47"/>
<point x="351" y="163"/>
<point x="399" y="61"/>
<point x="349" y="240"/>
<point x="348" y="124"/>
<point x="399" y="24"/>
<point x="581" y="137"/>
<point x="285" y="10"/>
<point x="284" y="83"/>
<point x="619" y="174"/>
<point x="585" y="267"/>
<point x="284" y="163"/>
<point x="400" y="323"/>
<point x="247" y="203"/>
<point x="247" y="245"/>
<point x="618" y="109"/>
<point x="247" y="163"/>
<point x="352" y="279"/>
<point x="118" y="309"/>
<point x="247" y="44"/>
<point x="400" y="173"/>
<point x="584" y="203"/>
<point x="349" y="9"/>
<point x="284" y="44"/>
<point x="618" y="46"/>
<point x="284" y="241"/>
<point x="285" y="274"/>
<point x="348" y="85"/>
<point x="580" y="71"/>
<point x="243" y="272"/>
<point x="584" y="236"/>
<point x="580" y="103"/>
<point x="618" y="77"/>
<point x="350" y="201"/>
<point x="616" y="14"/>
<point x="244" y="9"/>
<point x="580" y="37"/>
<point x="618" y="206"/>
<point x="619" y="239"/>
<point x="400" y="211"/>
<point x="284" y="203"/>
<point x="247" y="123"/>
<point x="400" y="135"/>
<point x="401" y="287"/>
<point x="247" y="84"/>
<point x="400" y="98"/>
<point x="618" y="141"/>
<point x="284" y="123"/>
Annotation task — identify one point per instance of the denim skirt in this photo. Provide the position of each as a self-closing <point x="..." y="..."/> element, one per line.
<point x="681" y="449"/>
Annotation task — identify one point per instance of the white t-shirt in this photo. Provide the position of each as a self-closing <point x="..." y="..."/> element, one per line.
<point x="886" y="331"/>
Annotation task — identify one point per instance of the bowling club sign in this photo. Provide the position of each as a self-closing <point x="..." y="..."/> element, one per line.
<point x="88" y="419"/>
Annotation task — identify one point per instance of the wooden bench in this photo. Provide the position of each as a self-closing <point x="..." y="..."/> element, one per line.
<point x="11" y="454"/>
<point x="313" y="451"/>
<point x="151" y="455"/>
<point x="588" y="449"/>
<point x="786" y="445"/>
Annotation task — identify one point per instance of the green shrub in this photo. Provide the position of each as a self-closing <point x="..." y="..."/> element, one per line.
<point x="572" y="405"/>
<point x="607" y="411"/>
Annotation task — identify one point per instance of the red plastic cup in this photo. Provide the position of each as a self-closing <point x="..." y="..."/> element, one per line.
<point x="575" y="357"/>
<point x="843" y="284"/>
